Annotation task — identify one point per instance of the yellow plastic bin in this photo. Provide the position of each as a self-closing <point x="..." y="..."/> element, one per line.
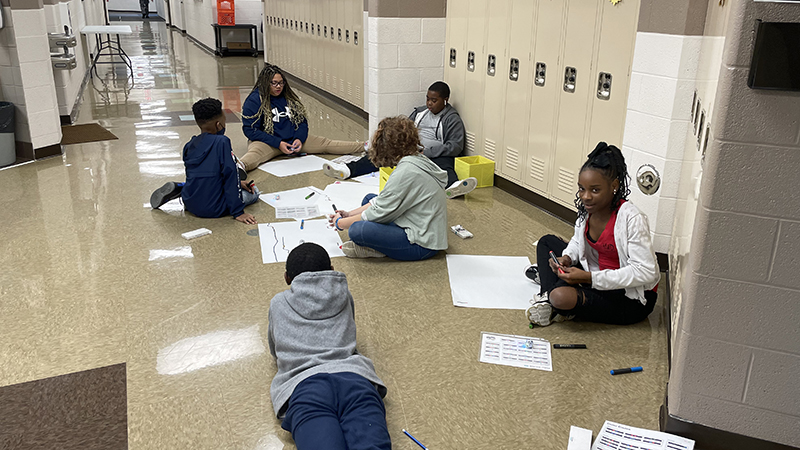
<point x="478" y="167"/>
<point x="384" y="174"/>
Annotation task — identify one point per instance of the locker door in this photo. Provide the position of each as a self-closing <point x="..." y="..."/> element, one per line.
<point x="547" y="85"/>
<point x="519" y="71"/>
<point x="349" y="51"/>
<point x="497" y="38"/>
<point x="470" y="107"/>
<point x="313" y="62"/>
<point x="357" y="43"/>
<point x="577" y="89"/>
<point x="341" y="20"/>
<point x="325" y="45"/>
<point x="455" y="43"/>
<point x="614" y="58"/>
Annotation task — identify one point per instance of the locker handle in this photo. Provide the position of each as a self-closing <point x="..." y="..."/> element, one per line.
<point x="326" y="32"/>
<point x="491" y="66"/>
<point x="513" y="72"/>
<point x="347" y="36"/>
<point x="604" y="86"/>
<point x="471" y="61"/>
<point x="570" y="78"/>
<point x="452" y="57"/>
<point x="541" y="73"/>
<point x="355" y="37"/>
<point x="340" y="33"/>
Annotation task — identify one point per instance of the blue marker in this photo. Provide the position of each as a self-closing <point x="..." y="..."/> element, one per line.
<point x="626" y="370"/>
<point x="302" y="222"/>
<point x="414" y="439"/>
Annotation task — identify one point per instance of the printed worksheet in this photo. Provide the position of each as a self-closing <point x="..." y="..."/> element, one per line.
<point x="615" y="436"/>
<point x="296" y="212"/>
<point x="516" y="351"/>
<point x="279" y="238"/>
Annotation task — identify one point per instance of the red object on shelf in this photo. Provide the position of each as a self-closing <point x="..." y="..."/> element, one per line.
<point x="226" y="14"/>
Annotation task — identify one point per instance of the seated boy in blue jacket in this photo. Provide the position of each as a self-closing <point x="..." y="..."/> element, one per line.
<point x="212" y="187"/>
<point x="327" y="394"/>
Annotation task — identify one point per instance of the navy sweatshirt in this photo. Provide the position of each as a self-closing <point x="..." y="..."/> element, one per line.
<point x="283" y="127"/>
<point x="212" y="186"/>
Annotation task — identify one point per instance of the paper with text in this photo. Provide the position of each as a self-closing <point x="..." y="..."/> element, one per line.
<point x="516" y="351"/>
<point x="615" y="436"/>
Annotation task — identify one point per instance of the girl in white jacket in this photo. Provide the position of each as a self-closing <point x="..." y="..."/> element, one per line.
<point x="608" y="272"/>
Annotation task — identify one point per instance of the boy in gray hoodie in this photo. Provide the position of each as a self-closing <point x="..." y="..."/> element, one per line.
<point x="327" y="394"/>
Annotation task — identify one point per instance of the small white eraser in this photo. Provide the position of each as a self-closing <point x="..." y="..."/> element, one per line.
<point x="461" y="231"/>
<point x="196" y="233"/>
<point x="579" y="438"/>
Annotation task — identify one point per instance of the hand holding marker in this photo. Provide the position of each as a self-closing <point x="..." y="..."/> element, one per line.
<point x="555" y="260"/>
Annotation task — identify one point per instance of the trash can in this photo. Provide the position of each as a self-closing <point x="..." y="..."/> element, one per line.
<point x="8" y="151"/>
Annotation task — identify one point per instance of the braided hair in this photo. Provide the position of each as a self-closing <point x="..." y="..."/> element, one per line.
<point x="299" y="113"/>
<point x="608" y="160"/>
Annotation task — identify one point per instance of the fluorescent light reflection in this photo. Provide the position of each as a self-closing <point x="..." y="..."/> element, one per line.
<point x="212" y="349"/>
<point x="178" y="252"/>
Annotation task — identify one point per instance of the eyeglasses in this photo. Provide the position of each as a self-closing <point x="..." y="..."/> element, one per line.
<point x="277" y="83"/>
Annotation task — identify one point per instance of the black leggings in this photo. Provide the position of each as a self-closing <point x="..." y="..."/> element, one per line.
<point x="593" y="305"/>
<point x="364" y="166"/>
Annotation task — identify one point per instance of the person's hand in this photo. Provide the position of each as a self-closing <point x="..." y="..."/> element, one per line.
<point x="285" y="148"/>
<point x="246" y="186"/>
<point x="297" y="146"/>
<point x="332" y="217"/>
<point x="563" y="263"/>
<point x="246" y="218"/>
<point x="574" y="275"/>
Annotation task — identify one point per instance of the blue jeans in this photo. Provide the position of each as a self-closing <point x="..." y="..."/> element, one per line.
<point x="388" y="239"/>
<point x="249" y="198"/>
<point x="337" y="411"/>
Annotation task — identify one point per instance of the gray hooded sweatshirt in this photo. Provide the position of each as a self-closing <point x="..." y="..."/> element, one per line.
<point x="312" y="330"/>
<point x="450" y="129"/>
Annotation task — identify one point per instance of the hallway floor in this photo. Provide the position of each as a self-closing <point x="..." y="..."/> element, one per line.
<point x="90" y="278"/>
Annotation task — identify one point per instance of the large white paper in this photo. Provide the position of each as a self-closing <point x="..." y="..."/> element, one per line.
<point x="296" y="212"/>
<point x="279" y="238"/>
<point x="614" y="436"/>
<point x="294" y="197"/>
<point x="490" y="281"/>
<point x="347" y="195"/>
<point x="293" y="166"/>
<point x="516" y="351"/>
<point x="372" y="179"/>
<point x="579" y="438"/>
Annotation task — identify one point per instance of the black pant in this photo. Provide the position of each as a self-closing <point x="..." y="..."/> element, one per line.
<point x="364" y="166"/>
<point x="593" y="305"/>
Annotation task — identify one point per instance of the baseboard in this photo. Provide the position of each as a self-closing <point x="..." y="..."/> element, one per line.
<point x="50" y="150"/>
<point x="549" y="206"/>
<point x="708" y="438"/>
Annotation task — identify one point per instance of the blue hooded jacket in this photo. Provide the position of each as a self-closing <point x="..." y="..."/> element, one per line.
<point x="283" y="128"/>
<point x="212" y="186"/>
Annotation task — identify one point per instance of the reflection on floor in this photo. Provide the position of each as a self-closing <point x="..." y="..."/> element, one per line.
<point x="81" y="289"/>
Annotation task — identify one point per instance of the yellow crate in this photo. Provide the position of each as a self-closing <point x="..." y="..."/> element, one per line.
<point x="384" y="174"/>
<point x="478" y="167"/>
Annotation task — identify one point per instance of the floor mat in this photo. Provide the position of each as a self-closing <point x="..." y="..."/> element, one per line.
<point x="89" y="132"/>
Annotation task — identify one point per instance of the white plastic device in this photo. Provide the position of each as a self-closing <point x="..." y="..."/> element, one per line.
<point x="196" y="233"/>
<point x="461" y="232"/>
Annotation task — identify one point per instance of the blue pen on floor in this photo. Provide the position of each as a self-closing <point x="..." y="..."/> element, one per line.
<point x="627" y="370"/>
<point x="414" y="439"/>
<point x="302" y="222"/>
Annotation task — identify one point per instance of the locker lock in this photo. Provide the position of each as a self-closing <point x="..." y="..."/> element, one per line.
<point x="326" y="32"/>
<point x="648" y="179"/>
<point x="570" y="76"/>
<point x="355" y="37"/>
<point x="452" y="57"/>
<point x="513" y="72"/>
<point x="347" y="36"/>
<point x="491" y="67"/>
<point x="541" y="70"/>
<point x="604" y="86"/>
<point x="471" y="61"/>
<point x="340" y="33"/>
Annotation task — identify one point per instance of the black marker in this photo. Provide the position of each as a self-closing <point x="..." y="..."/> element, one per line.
<point x="569" y="345"/>
<point x="334" y="207"/>
<point x="555" y="260"/>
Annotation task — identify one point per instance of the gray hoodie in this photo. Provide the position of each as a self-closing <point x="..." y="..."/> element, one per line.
<point x="312" y="330"/>
<point x="450" y="128"/>
<point x="414" y="199"/>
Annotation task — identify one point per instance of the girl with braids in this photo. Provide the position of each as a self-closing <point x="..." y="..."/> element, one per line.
<point x="608" y="272"/>
<point x="275" y="123"/>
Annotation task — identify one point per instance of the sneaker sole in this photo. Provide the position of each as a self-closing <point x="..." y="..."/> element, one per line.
<point x="352" y="250"/>
<point x="539" y="314"/>
<point x="464" y="187"/>
<point x="333" y="173"/>
<point x="161" y="195"/>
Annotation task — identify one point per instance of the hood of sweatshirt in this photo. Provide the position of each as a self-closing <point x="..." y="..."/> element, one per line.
<point x="196" y="150"/>
<point x="427" y="166"/>
<point x="318" y="295"/>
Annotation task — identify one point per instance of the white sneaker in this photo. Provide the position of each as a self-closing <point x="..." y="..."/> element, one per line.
<point x="336" y="170"/>
<point x="353" y="250"/>
<point x="541" y="311"/>
<point x="461" y="187"/>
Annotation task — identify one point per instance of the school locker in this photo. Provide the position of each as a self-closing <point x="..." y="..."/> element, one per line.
<point x="496" y="64"/>
<point x="546" y="85"/>
<point x="612" y="74"/>
<point x="325" y="44"/>
<point x="577" y="89"/>
<point x="470" y="107"/>
<point x="313" y="62"/>
<point x="455" y="48"/>
<point x="358" y="54"/>
<point x="520" y="76"/>
<point x="347" y="50"/>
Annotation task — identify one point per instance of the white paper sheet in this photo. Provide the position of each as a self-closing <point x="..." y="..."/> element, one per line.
<point x="490" y="281"/>
<point x="614" y="436"/>
<point x="347" y="195"/>
<point x="579" y="438"/>
<point x="296" y="212"/>
<point x="294" y="197"/>
<point x="293" y="166"/>
<point x="372" y="179"/>
<point x="344" y="159"/>
<point x="279" y="238"/>
<point x="516" y="351"/>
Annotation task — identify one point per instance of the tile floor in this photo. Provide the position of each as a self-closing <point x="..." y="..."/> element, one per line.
<point x="83" y="285"/>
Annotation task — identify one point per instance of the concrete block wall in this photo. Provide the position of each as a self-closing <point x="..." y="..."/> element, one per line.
<point x="736" y="358"/>
<point x="68" y="82"/>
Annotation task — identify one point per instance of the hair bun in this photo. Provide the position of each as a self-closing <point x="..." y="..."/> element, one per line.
<point x="601" y="147"/>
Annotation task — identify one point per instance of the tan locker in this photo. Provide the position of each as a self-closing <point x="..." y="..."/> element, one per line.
<point x="519" y="71"/>
<point x="302" y="37"/>
<point x="348" y="52"/>
<point x="497" y="39"/>
<point x="577" y="89"/>
<point x="327" y="58"/>
<point x="470" y="106"/>
<point x="341" y="62"/>
<point x="618" y="25"/>
<point x="358" y="44"/>
<point x="455" y="50"/>
<point x="547" y="84"/>
<point x="319" y="61"/>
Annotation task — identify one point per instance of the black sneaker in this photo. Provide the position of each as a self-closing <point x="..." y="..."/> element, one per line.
<point x="532" y="272"/>
<point x="165" y="193"/>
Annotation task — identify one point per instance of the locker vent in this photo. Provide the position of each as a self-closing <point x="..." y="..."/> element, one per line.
<point x="537" y="169"/>
<point x="470" y="143"/>
<point x="358" y="94"/>
<point x="566" y="180"/>
<point x="489" y="149"/>
<point x="512" y="159"/>
<point x="350" y="89"/>
<point x="341" y="86"/>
